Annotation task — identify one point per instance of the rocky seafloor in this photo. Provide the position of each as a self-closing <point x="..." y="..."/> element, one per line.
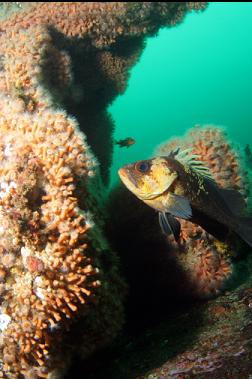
<point x="207" y="339"/>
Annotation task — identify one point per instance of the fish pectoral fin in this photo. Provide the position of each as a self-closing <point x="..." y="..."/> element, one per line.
<point x="164" y="223"/>
<point x="179" y="206"/>
<point x="169" y="225"/>
<point x="174" y="225"/>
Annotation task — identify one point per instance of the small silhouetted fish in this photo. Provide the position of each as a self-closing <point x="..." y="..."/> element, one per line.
<point x="127" y="142"/>
<point x="179" y="186"/>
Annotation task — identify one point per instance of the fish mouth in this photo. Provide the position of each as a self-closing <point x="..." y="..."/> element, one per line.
<point x="132" y="184"/>
<point x="127" y="178"/>
<point x="121" y="173"/>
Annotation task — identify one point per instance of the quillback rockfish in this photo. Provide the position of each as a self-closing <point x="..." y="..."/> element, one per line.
<point x="179" y="186"/>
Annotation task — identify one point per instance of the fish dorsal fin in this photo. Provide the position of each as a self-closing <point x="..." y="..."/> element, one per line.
<point x="186" y="157"/>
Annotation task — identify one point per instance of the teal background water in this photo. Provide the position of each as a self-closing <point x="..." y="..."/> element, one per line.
<point x="198" y="72"/>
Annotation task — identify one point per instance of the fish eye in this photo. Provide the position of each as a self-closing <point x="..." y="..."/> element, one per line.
<point x="143" y="166"/>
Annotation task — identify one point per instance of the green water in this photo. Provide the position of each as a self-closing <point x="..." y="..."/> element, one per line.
<point x="196" y="73"/>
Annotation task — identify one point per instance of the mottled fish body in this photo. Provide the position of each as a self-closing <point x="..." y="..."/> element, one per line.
<point x="179" y="186"/>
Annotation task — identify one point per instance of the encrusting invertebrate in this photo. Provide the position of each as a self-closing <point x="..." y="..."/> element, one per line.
<point x="46" y="270"/>
<point x="56" y="267"/>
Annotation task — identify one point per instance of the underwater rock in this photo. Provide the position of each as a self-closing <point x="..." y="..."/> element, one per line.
<point x="50" y="263"/>
<point x="223" y="344"/>
<point x="199" y="265"/>
<point x="208" y="340"/>
<point x="59" y="278"/>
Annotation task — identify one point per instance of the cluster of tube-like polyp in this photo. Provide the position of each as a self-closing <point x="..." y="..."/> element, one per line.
<point x="46" y="273"/>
